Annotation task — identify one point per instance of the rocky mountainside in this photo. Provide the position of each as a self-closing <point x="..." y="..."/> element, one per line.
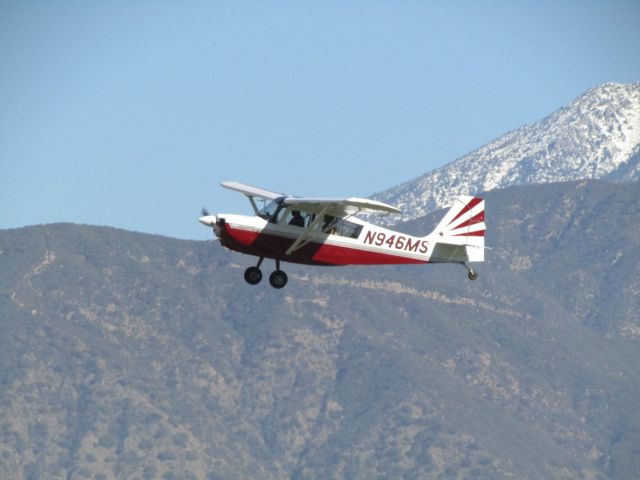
<point x="127" y="355"/>
<point x="597" y="136"/>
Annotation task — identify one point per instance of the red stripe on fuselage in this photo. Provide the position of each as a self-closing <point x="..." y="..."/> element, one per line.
<point x="343" y="255"/>
<point x="313" y="253"/>
<point x="241" y="236"/>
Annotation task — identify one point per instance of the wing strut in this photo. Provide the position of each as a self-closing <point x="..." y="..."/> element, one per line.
<point x="299" y="241"/>
<point x="253" y="204"/>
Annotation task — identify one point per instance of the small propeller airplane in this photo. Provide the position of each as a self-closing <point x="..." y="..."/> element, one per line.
<point x="325" y="231"/>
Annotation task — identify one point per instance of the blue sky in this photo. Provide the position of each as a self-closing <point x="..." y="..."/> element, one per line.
<point x="129" y="114"/>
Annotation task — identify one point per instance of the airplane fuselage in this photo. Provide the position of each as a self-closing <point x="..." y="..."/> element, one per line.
<point x="327" y="232"/>
<point x="371" y="246"/>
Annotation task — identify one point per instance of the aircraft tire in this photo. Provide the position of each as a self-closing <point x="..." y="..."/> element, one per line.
<point x="253" y="275"/>
<point x="472" y="274"/>
<point x="278" y="279"/>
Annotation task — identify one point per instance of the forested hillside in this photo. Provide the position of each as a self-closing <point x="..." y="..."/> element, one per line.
<point x="126" y="355"/>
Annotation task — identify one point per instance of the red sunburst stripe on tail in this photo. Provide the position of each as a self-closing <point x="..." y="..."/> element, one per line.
<point x="474" y="201"/>
<point x="472" y="221"/>
<point x="479" y="233"/>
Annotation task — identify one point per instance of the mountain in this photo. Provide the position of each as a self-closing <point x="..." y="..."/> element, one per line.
<point x="597" y="136"/>
<point x="127" y="355"/>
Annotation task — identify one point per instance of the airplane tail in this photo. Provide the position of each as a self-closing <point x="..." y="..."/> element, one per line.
<point x="459" y="237"/>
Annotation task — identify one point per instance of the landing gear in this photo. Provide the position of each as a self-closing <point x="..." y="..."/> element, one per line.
<point x="472" y="273"/>
<point x="253" y="275"/>
<point x="278" y="279"/>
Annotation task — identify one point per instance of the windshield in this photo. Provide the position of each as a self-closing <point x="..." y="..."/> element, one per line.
<point x="269" y="209"/>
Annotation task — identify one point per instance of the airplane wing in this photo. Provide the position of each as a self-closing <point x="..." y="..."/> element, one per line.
<point x="340" y="207"/>
<point x="252" y="191"/>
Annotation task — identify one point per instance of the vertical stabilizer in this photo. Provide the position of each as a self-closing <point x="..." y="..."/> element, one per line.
<point x="459" y="237"/>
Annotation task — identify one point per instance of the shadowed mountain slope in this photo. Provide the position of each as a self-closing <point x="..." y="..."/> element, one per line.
<point x="135" y="356"/>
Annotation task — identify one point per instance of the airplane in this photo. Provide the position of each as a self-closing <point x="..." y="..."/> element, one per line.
<point x="326" y="231"/>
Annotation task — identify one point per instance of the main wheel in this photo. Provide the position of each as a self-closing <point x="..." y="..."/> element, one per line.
<point x="253" y="275"/>
<point x="472" y="274"/>
<point x="278" y="279"/>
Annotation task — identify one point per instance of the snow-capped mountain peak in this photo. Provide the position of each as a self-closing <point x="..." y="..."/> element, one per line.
<point x="595" y="136"/>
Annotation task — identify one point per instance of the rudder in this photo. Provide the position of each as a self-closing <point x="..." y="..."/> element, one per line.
<point x="459" y="237"/>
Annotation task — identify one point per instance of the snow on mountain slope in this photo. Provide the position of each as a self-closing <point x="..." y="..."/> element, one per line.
<point x="595" y="136"/>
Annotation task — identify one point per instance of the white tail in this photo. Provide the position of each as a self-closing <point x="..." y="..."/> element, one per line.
<point x="459" y="237"/>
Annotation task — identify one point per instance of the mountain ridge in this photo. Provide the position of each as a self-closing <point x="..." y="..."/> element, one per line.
<point x="595" y="136"/>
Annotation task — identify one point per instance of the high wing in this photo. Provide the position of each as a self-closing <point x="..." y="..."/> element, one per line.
<point x="250" y="191"/>
<point x="339" y="207"/>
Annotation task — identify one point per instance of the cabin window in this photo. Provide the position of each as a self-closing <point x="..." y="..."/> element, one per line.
<point x="295" y="218"/>
<point x="350" y="229"/>
<point x="341" y="227"/>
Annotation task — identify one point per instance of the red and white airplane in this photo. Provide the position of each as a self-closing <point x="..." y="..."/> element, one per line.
<point x="325" y="231"/>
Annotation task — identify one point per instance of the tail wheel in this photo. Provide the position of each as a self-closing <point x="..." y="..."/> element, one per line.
<point x="278" y="279"/>
<point x="252" y="275"/>
<point x="472" y="274"/>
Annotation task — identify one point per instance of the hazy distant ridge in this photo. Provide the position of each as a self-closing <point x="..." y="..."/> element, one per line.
<point x="597" y="136"/>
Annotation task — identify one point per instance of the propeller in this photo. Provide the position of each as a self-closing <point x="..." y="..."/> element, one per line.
<point x="206" y="218"/>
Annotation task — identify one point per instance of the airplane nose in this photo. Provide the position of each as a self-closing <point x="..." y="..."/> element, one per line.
<point x="208" y="220"/>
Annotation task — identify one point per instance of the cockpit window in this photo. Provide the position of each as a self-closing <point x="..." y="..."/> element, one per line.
<point x="275" y="212"/>
<point x="270" y="209"/>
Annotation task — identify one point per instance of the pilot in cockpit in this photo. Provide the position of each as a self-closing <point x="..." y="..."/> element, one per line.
<point x="297" y="219"/>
